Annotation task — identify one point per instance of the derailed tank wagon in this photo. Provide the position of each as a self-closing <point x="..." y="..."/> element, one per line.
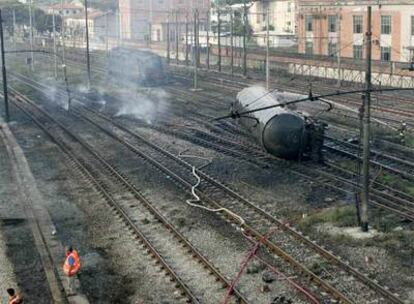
<point x="280" y="131"/>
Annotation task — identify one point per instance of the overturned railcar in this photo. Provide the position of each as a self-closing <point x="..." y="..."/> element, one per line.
<point x="282" y="132"/>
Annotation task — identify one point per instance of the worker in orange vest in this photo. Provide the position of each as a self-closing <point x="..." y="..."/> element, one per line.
<point x="71" y="267"/>
<point x="14" y="297"/>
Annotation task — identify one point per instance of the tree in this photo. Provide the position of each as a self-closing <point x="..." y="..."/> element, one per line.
<point x="42" y="22"/>
<point x="228" y="2"/>
<point x="104" y="5"/>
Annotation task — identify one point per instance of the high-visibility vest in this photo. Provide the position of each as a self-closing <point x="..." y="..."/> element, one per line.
<point x="71" y="270"/>
<point x="16" y="299"/>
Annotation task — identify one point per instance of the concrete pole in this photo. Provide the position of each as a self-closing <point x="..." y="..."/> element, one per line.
<point x="244" y="38"/>
<point x="88" y="59"/>
<point x="186" y="39"/>
<point x="267" y="48"/>
<point x="195" y="51"/>
<point x="118" y="22"/>
<point x="14" y="28"/>
<point x="62" y="31"/>
<point x="338" y="51"/>
<point x="197" y="36"/>
<point x="219" y="39"/>
<point x="54" y="43"/>
<point x="176" y="37"/>
<point x="3" y="62"/>
<point x="231" y="43"/>
<point x="107" y="34"/>
<point x="208" y="41"/>
<point x="150" y="22"/>
<point x="31" y="36"/>
<point x="366" y="128"/>
<point x="168" y="39"/>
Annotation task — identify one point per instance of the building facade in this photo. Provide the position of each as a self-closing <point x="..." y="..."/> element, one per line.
<point x="149" y="19"/>
<point x="282" y="15"/>
<point x="335" y="28"/>
<point x="66" y="10"/>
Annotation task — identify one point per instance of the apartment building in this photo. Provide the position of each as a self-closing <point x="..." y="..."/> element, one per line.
<point x="282" y="15"/>
<point x="65" y="9"/>
<point x="144" y="19"/>
<point x="335" y="28"/>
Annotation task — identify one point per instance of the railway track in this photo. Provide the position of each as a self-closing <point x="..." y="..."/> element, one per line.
<point x="158" y="238"/>
<point x="228" y="198"/>
<point x="213" y="188"/>
<point x="229" y="83"/>
<point x="336" y="177"/>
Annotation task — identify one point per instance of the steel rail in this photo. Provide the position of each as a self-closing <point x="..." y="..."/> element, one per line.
<point x="328" y="255"/>
<point x="196" y="254"/>
<point x="331" y="257"/>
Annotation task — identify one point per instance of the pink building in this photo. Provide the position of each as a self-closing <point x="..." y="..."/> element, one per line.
<point x="329" y="27"/>
<point x="142" y="19"/>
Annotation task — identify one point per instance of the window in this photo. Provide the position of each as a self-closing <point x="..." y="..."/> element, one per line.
<point x="309" y="48"/>
<point x="309" y="23"/>
<point x="386" y="25"/>
<point x="332" y="23"/>
<point x="357" y="22"/>
<point x="289" y="8"/>
<point x="412" y="25"/>
<point x="385" y="53"/>
<point x="332" y="49"/>
<point x="357" y="50"/>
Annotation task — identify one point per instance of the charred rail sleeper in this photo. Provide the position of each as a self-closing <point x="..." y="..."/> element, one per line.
<point x="211" y="191"/>
<point x="89" y="174"/>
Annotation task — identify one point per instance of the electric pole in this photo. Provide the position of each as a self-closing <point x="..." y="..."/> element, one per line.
<point x="31" y="36"/>
<point x="176" y="38"/>
<point x="244" y="38"/>
<point x="366" y="128"/>
<point x="14" y="27"/>
<point x="267" y="48"/>
<point x="338" y="51"/>
<point x="54" y="42"/>
<point x="195" y="51"/>
<point x="208" y="41"/>
<point x="186" y="39"/>
<point x="168" y="39"/>
<point x="218" y="39"/>
<point x="231" y="43"/>
<point x="3" y="62"/>
<point x="88" y="60"/>
<point x="107" y="34"/>
<point x="62" y="32"/>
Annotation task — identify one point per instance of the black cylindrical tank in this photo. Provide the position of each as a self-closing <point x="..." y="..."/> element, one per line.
<point x="280" y="131"/>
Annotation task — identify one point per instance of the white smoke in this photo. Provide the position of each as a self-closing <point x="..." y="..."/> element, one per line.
<point x="146" y="105"/>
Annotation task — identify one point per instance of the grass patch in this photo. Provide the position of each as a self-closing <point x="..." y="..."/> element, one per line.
<point x="396" y="181"/>
<point x="344" y="216"/>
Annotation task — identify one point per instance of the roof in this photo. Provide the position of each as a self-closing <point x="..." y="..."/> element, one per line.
<point x="91" y="15"/>
<point x="58" y="6"/>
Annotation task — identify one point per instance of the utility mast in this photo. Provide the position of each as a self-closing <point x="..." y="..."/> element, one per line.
<point x="88" y="59"/>
<point x="31" y="35"/>
<point x="3" y="63"/>
<point x="366" y="128"/>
